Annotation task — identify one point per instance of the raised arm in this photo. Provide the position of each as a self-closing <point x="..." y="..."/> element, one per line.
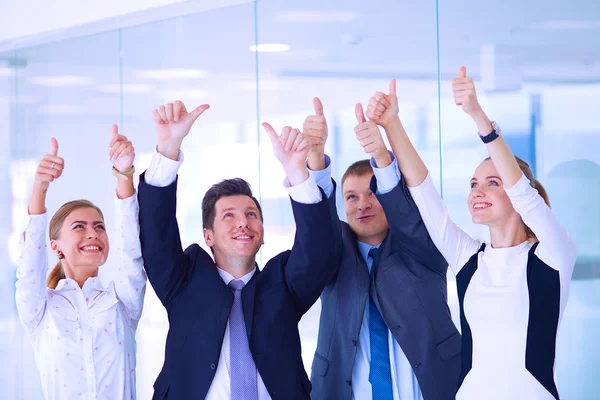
<point x="166" y="264"/>
<point x="451" y="241"/>
<point x="31" y="290"/>
<point x="401" y="212"/>
<point x="314" y="257"/>
<point x="556" y="247"/>
<point x="130" y="282"/>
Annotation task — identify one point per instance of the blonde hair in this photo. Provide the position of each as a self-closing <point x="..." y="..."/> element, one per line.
<point x="526" y="169"/>
<point x="56" y="224"/>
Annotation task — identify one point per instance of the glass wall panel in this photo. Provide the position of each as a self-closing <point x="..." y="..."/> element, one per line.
<point x="533" y="65"/>
<point x="341" y="52"/>
<point x="200" y="58"/>
<point x="59" y="93"/>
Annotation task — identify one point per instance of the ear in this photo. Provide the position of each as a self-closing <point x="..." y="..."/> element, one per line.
<point x="208" y="237"/>
<point x="55" y="247"/>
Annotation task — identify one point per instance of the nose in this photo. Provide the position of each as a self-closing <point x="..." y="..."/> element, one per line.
<point x="477" y="193"/>
<point x="364" y="204"/>
<point x="92" y="233"/>
<point x="242" y="222"/>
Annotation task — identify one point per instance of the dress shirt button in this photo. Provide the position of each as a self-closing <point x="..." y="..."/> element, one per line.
<point x="213" y="366"/>
<point x="349" y="382"/>
<point x="354" y="342"/>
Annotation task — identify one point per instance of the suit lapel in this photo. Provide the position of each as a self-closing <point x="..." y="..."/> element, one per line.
<point x="360" y="275"/>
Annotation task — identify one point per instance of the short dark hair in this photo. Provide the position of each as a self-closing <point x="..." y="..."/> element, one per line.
<point x="359" y="168"/>
<point x="227" y="187"/>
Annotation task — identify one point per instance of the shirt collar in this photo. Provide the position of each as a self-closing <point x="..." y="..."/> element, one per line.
<point x="67" y="284"/>
<point x="364" y="249"/>
<point x="227" y="277"/>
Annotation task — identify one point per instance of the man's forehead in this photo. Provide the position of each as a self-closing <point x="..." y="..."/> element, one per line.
<point x="357" y="183"/>
<point x="235" y="202"/>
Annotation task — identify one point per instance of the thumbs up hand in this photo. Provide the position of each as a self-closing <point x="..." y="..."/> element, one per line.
<point x="173" y="122"/>
<point x="50" y="168"/>
<point x="369" y="136"/>
<point x="291" y="149"/>
<point x="383" y="108"/>
<point x="464" y="93"/>
<point x="121" y="151"/>
<point x="315" y="129"/>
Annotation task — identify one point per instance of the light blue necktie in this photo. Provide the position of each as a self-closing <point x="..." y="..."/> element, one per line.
<point x="380" y="373"/>
<point x="243" y="370"/>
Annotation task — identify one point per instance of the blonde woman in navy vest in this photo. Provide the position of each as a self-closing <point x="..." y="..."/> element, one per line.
<point x="513" y="290"/>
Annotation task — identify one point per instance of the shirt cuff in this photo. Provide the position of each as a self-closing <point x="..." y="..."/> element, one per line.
<point x="35" y="230"/>
<point x="387" y="177"/>
<point x="128" y="205"/>
<point x="162" y="170"/>
<point x="522" y="186"/>
<point x="323" y="177"/>
<point x="306" y="192"/>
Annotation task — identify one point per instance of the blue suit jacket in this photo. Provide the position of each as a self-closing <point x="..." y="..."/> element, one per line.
<point x="411" y="293"/>
<point x="198" y="302"/>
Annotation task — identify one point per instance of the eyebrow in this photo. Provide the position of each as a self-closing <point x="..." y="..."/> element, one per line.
<point x="235" y="208"/>
<point x="488" y="177"/>
<point x="85" y="222"/>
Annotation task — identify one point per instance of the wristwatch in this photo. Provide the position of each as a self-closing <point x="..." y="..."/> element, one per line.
<point x="123" y="175"/>
<point x="492" y="135"/>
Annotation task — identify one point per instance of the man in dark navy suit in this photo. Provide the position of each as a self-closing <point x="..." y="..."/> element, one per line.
<point x="233" y="328"/>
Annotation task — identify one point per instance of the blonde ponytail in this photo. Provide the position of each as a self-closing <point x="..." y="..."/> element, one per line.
<point x="526" y="169"/>
<point x="55" y="276"/>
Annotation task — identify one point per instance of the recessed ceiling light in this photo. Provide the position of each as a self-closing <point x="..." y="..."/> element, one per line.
<point x="270" y="48"/>
<point x="567" y="25"/>
<point x="59" y="109"/>
<point x="61" y="80"/>
<point x="185" y="94"/>
<point x="125" y="88"/>
<point x="172" y="74"/>
<point x="317" y="16"/>
<point x="7" y="72"/>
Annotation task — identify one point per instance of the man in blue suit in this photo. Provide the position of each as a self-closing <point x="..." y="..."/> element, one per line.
<point x="233" y="330"/>
<point x="386" y="331"/>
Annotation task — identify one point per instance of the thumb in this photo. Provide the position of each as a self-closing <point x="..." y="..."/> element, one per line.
<point x="318" y="106"/>
<point x="360" y="115"/>
<point x="53" y="146"/>
<point x="114" y="134"/>
<point x="462" y="72"/>
<point x="198" y="112"/>
<point x="393" y="95"/>
<point x="271" y="132"/>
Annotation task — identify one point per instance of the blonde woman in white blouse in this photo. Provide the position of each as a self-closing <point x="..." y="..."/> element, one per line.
<point x="83" y="331"/>
<point x="512" y="291"/>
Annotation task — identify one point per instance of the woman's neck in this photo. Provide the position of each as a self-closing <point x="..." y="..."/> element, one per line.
<point x="510" y="234"/>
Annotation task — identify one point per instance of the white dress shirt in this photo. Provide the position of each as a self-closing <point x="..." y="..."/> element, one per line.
<point x="162" y="172"/>
<point x="84" y="338"/>
<point x="404" y="382"/>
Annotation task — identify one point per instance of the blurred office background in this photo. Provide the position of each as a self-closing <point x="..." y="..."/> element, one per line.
<point x="70" y="69"/>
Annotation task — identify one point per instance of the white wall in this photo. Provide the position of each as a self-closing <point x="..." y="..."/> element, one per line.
<point x="29" y="22"/>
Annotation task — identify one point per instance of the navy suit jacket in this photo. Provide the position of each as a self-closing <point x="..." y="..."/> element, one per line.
<point x="410" y="291"/>
<point x="198" y="302"/>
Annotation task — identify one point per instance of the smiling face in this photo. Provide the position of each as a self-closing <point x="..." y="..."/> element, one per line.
<point x="488" y="202"/>
<point x="83" y="241"/>
<point x="363" y="211"/>
<point x="237" y="230"/>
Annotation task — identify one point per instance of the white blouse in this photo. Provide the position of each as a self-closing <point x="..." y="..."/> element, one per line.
<point x="84" y="338"/>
